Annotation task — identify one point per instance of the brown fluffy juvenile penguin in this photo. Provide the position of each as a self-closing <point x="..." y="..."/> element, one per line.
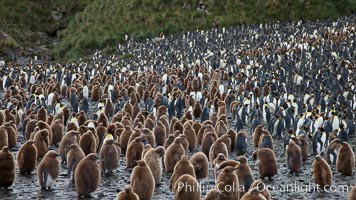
<point x="26" y="157"/>
<point x="136" y="133"/>
<point x="322" y="173"/>
<point x="66" y="115"/>
<point x="44" y="126"/>
<point x="221" y="128"/>
<point x="293" y="157"/>
<point x="267" y="163"/>
<point x="41" y="143"/>
<point x="233" y="136"/>
<point x="42" y="114"/>
<point x="4" y="141"/>
<point x="345" y="162"/>
<point x="186" y="188"/>
<point x="72" y="126"/>
<point x="30" y="127"/>
<point x="254" y="194"/>
<point x="134" y="151"/>
<point x="109" y="157"/>
<point x="127" y="194"/>
<point x="74" y="155"/>
<point x="160" y="133"/>
<point x="183" y="166"/>
<point x="153" y="159"/>
<point x="262" y="188"/>
<point x="169" y="141"/>
<point x="218" y="147"/>
<point x="109" y="108"/>
<point x="95" y="93"/>
<point x="257" y="134"/>
<point x="201" y="165"/>
<point x="208" y="141"/>
<point x="219" y="165"/>
<point x="266" y="140"/>
<point x="57" y="129"/>
<point x="173" y="154"/>
<point x="227" y="140"/>
<point x="150" y="137"/>
<point x="87" y="175"/>
<point x="227" y="182"/>
<point x="303" y="146"/>
<point x="142" y="181"/>
<point x="213" y="194"/>
<point x="71" y="137"/>
<point x="219" y="159"/>
<point x="124" y="138"/>
<point x="352" y="194"/>
<point x="11" y="134"/>
<point x="190" y="135"/>
<point x="48" y="170"/>
<point x="244" y="174"/>
<point x="149" y="123"/>
<point x="146" y="149"/>
<point x="87" y="143"/>
<point x="7" y="168"/>
<point x="184" y="142"/>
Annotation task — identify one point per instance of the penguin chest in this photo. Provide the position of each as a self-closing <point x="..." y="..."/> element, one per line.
<point x="318" y="123"/>
<point x="335" y="123"/>
<point x="264" y="114"/>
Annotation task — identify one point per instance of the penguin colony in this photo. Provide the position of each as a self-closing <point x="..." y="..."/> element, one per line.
<point x="223" y="103"/>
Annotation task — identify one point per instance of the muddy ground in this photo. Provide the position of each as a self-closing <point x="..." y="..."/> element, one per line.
<point x="27" y="187"/>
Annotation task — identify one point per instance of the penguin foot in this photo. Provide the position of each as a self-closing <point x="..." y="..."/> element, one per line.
<point x="85" y="196"/>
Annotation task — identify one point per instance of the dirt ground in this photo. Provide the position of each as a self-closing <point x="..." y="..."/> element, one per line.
<point x="27" y="187"/>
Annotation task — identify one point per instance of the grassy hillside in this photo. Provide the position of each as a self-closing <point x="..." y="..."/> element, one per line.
<point x="102" y="24"/>
<point x="32" y="22"/>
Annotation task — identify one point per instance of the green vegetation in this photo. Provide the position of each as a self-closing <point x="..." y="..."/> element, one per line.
<point x="102" y="24"/>
<point x="26" y="22"/>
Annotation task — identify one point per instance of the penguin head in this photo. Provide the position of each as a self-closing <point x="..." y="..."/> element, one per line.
<point x="242" y="159"/>
<point x="5" y="149"/>
<point x="318" y="158"/>
<point x="52" y="154"/>
<point x="109" y="141"/>
<point x="140" y="163"/>
<point x="92" y="156"/>
<point x="127" y="189"/>
<point x="108" y="137"/>
<point x="30" y="142"/>
<point x="73" y="147"/>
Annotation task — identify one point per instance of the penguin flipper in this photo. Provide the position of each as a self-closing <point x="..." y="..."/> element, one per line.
<point x="321" y="144"/>
<point x="71" y="167"/>
<point x="248" y="182"/>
